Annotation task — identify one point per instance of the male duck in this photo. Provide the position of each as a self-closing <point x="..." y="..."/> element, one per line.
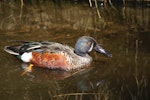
<point x="55" y="55"/>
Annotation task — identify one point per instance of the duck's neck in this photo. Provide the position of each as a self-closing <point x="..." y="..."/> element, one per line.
<point x="80" y="53"/>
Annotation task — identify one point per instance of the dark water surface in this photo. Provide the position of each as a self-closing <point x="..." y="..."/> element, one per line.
<point x="125" y="33"/>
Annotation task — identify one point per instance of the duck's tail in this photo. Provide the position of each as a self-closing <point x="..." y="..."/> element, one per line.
<point x="14" y="50"/>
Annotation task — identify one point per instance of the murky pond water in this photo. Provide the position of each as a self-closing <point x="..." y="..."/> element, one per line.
<point x="125" y="33"/>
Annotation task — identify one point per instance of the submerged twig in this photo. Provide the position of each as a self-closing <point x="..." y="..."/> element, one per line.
<point x="74" y="94"/>
<point x="22" y="4"/>
<point x="111" y="4"/>
<point x="136" y="52"/>
<point x="136" y="63"/>
<point x="99" y="16"/>
<point x="90" y="2"/>
<point x="98" y="13"/>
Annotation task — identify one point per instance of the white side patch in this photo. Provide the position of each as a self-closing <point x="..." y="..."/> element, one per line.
<point x="26" y="57"/>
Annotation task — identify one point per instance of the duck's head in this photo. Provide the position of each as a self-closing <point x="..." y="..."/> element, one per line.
<point x="86" y="44"/>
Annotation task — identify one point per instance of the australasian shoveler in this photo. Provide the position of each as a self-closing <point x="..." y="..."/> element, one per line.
<point x="55" y="55"/>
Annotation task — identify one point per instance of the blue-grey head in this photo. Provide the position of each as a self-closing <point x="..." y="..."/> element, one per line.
<point x="86" y="44"/>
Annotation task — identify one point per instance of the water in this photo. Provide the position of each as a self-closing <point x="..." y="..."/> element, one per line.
<point x="126" y="35"/>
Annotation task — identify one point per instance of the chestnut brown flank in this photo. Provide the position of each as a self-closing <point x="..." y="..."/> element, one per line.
<point x="47" y="60"/>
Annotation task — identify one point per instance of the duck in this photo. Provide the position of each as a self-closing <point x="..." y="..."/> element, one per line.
<point x="53" y="55"/>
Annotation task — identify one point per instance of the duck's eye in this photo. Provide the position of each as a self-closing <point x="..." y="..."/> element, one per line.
<point x="89" y="43"/>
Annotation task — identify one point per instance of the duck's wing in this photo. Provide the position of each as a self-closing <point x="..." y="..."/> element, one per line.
<point x="45" y="46"/>
<point x="25" y="47"/>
